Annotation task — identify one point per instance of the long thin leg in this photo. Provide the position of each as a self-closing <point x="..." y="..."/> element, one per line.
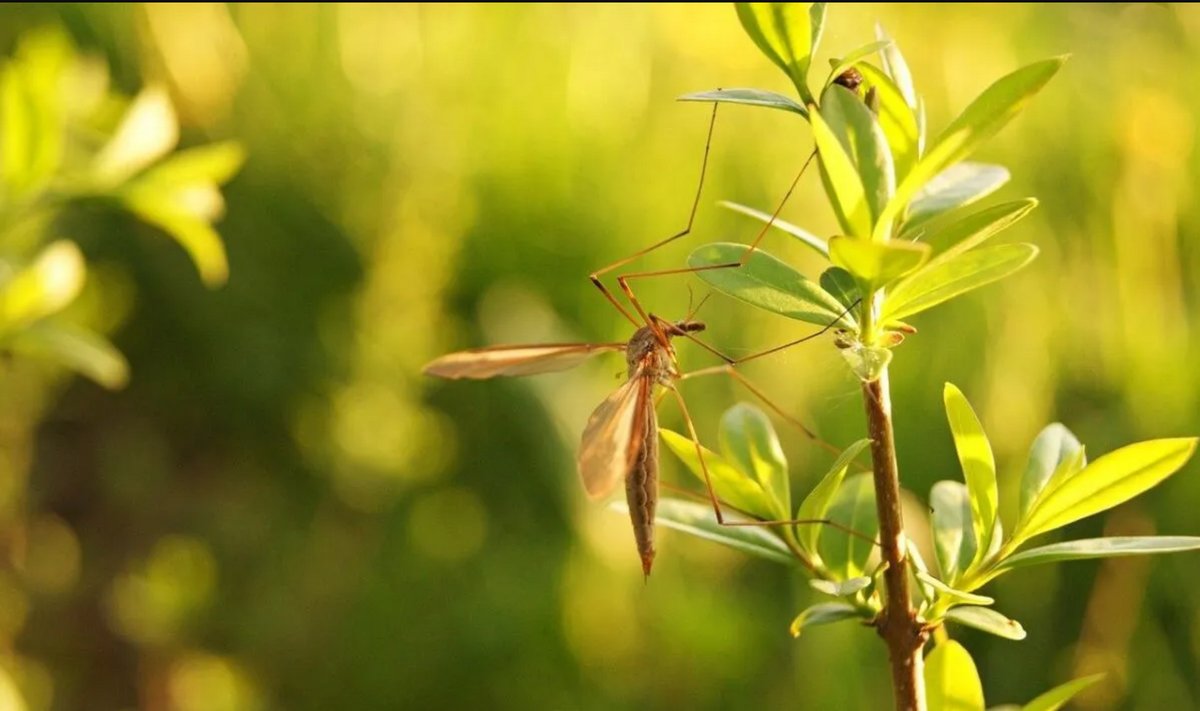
<point x="758" y="522"/>
<point x="712" y="496"/>
<point x="595" y="276"/>
<point x="746" y="359"/>
<point x="623" y="279"/>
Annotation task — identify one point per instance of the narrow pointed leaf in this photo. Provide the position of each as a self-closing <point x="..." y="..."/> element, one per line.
<point x="1111" y="547"/>
<point x="824" y="614"/>
<point x="973" y="230"/>
<point x="1053" y="445"/>
<point x="960" y="597"/>
<point x="954" y="540"/>
<point x="1058" y="697"/>
<point x="937" y="283"/>
<point x="897" y="67"/>
<point x="18" y="131"/>
<point x="853" y="506"/>
<point x="148" y="131"/>
<point x="749" y="97"/>
<point x="978" y="465"/>
<point x="43" y="287"/>
<point x="842" y="182"/>
<point x="854" y="57"/>
<point x="698" y="520"/>
<point x="987" y="620"/>
<point x="841" y="285"/>
<point x="799" y="233"/>
<point x="784" y="33"/>
<point x="875" y="264"/>
<point x="192" y="232"/>
<point x="215" y="163"/>
<point x="843" y="588"/>
<point x="731" y="486"/>
<point x="750" y="443"/>
<point x="896" y="118"/>
<point x="955" y="187"/>
<point x="1109" y="481"/>
<point x="816" y="504"/>
<point x="769" y="284"/>
<point x="864" y="142"/>
<point x="85" y="352"/>
<point x="817" y="14"/>
<point x="951" y="679"/>
<point x="990" y="112"/>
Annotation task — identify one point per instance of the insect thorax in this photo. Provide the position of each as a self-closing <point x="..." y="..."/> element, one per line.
<point x="645" y="349"/>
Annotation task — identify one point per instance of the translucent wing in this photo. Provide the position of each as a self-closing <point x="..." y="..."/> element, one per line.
<point x="614" y="436"/>
<point x="516" y="360"/>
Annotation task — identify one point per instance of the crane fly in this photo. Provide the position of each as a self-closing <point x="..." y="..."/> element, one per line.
<point x="620" y="440"/>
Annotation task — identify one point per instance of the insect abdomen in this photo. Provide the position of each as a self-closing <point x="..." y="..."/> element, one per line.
<point x="641" y="489"/>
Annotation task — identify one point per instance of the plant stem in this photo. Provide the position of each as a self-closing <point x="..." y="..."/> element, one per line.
<point x="898" y="624"/>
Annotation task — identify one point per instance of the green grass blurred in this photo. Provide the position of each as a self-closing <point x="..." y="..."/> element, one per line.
<point x="280" y="512"/>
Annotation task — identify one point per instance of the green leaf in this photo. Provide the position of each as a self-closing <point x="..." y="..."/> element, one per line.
<point x="978" y="465"/>
<point x="853" y="506"/>
<point x="823" y="614"/>
<point x="1109" y="481"/>
<point x="749" y="97"/>
<point x="785" y="33"/>
<point x="215" y="163"/>
<point x="960" y="597"/>
<point x="731" y="486"/>
<point x="897" y="67"/>
<point x="987" y="620"/>
<point x="749" y="441"/>
<point x="896" y="118"/>
<point x="937" y="283"/>
<point x="1054" y="445"/>
<point x="955" y="187"/>
<point x="841" y="285"/>
<point x="769" y="284"/>
<point x="951" y="679"/>
<point x="816" y="504"/>
<point x="925" y="592"/>
<point x="844" y="588"/>
<point x="1111" y="547"/>
<point x="799" y="233"/>
<point x="864" y="142"/>
<point x="42" y="288"/>
<point x="148" y="131"/>
<point x="82" y="351"/>
<point x="18" y="127"/>
<point x="990" y="112"/>
<point x="1057" y="697"/>
<point x="698" y="520"/>
<point x="854" y="57"/>
<point x="32" y="112"/>
<point x="954" y="538"/>
<point x="972" y="230"/>
<point x="876" y="264"/>
<point x="841" y="179"/>
<point x="170" y="213"/>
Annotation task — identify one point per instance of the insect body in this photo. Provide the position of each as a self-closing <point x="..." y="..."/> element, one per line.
<point x="620" y="441"/>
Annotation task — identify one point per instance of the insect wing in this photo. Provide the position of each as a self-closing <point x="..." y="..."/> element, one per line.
<point x="614" y="437"/>
<point x="489" y="362"/>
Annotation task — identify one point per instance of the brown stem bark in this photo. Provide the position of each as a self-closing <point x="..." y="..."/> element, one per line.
<point x="898" y="624"/>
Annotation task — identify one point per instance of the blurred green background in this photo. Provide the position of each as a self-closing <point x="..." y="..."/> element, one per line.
<point x="280" y="512"/>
